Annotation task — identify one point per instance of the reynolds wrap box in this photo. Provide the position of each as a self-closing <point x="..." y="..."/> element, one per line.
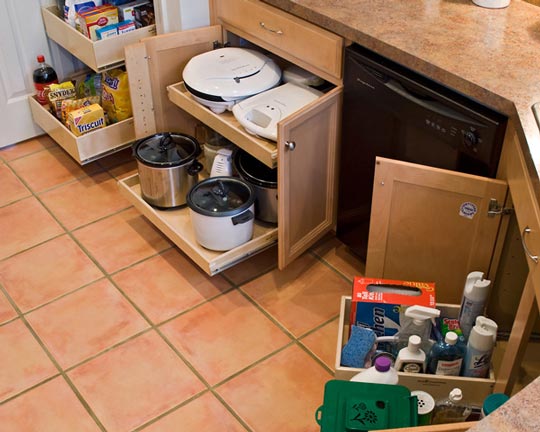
<point x="380" y="304"/>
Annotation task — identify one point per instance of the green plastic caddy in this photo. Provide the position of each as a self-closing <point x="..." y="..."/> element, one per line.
<point x="358" y="407"/>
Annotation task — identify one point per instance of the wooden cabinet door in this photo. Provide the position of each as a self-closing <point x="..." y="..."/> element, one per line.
<point x="431" y="225"/>
<point x="307" y="144"/>
<point x="152" y="65"/>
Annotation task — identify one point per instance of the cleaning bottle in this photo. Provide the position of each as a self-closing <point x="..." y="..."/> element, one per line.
<point x="43" y="76"/>
<point x="419" y="322"/>
<point x="479" y="350"/>
<point x="446" y="357"/>
<point x="381" y="373"/>
<point x="451" y="409"/>
<point x="473" y="300"/>
<point x="411" y="358"/>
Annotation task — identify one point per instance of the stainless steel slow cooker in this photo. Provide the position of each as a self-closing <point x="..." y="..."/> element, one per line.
<point x="263" y="180"/>
<point x="222" y="212"/>
<point x="168" y="168"/>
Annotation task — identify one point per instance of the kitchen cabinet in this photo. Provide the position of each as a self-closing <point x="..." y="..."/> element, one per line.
<point x="306" y="148"/>
<point x="98" y="56"/>
<point x="430" y="224"/>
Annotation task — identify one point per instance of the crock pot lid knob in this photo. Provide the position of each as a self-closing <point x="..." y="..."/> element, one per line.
<point x="220" y="196"/>
<point x="167" y="148"/>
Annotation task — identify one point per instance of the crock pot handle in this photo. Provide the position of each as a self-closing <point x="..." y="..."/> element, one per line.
<point x="194" y="168"/>
<point x="242" y="218"/>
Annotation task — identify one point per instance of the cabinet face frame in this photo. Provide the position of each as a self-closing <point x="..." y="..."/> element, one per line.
<point x="153" y="64"/>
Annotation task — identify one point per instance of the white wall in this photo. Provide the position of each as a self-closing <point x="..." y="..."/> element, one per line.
<point x="177" y="15"/>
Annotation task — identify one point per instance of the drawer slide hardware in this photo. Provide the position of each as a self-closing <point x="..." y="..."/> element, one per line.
<point x="496" y="209"/>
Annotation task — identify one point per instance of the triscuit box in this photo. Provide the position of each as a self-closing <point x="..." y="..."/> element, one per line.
<point x="86" y="119"/>
<point x="380" y="303"/>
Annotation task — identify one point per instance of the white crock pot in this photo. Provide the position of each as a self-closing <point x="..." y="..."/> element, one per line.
<point x="222" y="212"/>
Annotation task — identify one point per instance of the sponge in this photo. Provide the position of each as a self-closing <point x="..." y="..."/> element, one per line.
<point x="355" y="351"/>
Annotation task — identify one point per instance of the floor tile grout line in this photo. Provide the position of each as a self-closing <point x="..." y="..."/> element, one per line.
<point x="28" y="389"/>
<point x="57" y="365"/>
<point x="330" y="266"/>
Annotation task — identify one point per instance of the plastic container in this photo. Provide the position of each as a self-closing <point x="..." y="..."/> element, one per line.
<point x="492" y="4"/>
<point x="381" y="372"/>
<point x="451" y="409"/>
<point x="479" y="350"/>
<point x="43" y="76"/>
<point x="426" y="405"/>
<point x="473" y="301"/>
<point x="418" y="321"/>
<point x="411" y="358"/>
<point x="446" y="357"/>
<point x="492" y="402"/>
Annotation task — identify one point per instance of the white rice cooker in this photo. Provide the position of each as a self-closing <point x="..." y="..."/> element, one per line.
<point x="219" y="78"/>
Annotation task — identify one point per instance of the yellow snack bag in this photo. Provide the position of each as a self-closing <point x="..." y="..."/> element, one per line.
<point x="56" y="93"/>
<point x="86" y="119"/>
<point x="115" y="97"/>
<point x="69" y="105"/>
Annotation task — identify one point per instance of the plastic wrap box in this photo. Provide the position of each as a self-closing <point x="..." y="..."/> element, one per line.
<point x="475" y="390"/>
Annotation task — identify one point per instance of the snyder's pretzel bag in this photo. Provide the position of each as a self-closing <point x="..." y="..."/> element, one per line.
<point x="115" y="97"/>
<point x="56" y="93"/>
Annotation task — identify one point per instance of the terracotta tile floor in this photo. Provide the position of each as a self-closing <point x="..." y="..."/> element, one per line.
<point x="105" y="325"/>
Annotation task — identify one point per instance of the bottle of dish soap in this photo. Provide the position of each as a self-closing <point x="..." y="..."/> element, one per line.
<point x="473" y="300"/>
<point x="381" y="373"/>
<point x="451" y="409"/>
<point x="446" y="357"/>
<point x="411" y="358"/>
<point x="418" y="321"/>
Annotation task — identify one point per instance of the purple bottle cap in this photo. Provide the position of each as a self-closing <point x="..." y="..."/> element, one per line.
<point x="382" y="364"/>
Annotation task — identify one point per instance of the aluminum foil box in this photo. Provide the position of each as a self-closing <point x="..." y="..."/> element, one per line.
<point x="380" y="303"/>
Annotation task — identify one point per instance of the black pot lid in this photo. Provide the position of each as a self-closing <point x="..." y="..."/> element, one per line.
<point x="221" y="196"/>
<point x="254" y="171"/>
<point x="167" y="149"/>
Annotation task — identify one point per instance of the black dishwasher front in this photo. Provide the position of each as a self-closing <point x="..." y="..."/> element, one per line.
<point x="396" y="113"/>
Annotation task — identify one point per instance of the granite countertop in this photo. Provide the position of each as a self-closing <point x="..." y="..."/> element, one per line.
<point x="519" y="414"/>
<point x="492" y="55"/>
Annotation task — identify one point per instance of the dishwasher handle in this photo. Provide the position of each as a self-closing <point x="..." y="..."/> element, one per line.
<point x="432" y="106"/>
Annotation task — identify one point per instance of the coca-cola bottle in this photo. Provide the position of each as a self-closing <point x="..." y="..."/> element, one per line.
<point x="43" y="76"/>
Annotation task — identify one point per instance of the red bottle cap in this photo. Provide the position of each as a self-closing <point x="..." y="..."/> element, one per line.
<point x="40" y="58"/>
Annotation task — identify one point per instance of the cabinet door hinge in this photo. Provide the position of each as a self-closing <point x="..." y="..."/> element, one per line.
<point x="496" y="209"/>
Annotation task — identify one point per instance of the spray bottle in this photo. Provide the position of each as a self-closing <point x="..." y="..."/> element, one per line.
<point x="420" y="321"/>
<point x="473" y="301"/>
<point x="479" y="348"/>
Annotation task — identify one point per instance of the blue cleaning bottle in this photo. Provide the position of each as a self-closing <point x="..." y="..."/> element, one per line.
<point x="446" y="357"/>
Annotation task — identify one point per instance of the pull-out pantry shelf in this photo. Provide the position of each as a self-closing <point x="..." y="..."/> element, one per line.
<point x="176" y="225"/>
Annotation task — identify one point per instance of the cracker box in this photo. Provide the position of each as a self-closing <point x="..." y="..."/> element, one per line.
<point x="380" y="303"/>
<point x="126" y="12"/>
<point x="86" y="119"/>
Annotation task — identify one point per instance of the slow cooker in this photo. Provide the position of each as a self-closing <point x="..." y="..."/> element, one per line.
<point x="220" y="78"/>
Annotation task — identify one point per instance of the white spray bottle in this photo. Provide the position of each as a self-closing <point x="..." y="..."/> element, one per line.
<point x="473" y="301"/>
<point x="419" y="322"/>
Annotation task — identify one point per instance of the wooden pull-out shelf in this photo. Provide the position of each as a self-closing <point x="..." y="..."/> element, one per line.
<point x="87" y="147"/>
<point x="98" y="55"/>
<point x="226" y="125"/>
<point x="176" y="225"/>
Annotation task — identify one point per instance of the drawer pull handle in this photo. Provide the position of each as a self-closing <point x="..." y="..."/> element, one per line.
<point x="527" y="230"/>
<point x="290" y="145"/>
<point x="263" y="25"/>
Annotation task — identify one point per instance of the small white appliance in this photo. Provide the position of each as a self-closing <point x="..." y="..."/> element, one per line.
<point x="220" y="78"/>
<point x="222" y="164"/>
<point x="260" y="114"/>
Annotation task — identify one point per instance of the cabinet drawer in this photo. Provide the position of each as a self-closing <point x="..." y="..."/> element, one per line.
<point x="290" y="37"/>
<point x="99" y="55"/>
<point x="225" y="124"/>
<point x="514" y="168"/>
<point x="176" y="225"/>
<point x="90" y="146"/>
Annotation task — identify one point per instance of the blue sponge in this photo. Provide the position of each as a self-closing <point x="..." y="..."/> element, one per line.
<point x="361" y="342"/>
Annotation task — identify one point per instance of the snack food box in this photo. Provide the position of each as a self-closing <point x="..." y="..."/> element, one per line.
<point x="126" y="12"/>
<point x="107" y="31"/>
<point x="144" y="15"/>
<point x="101" y="16"/>
<point x="380" y="303"/>
<point x="86" y="119"/>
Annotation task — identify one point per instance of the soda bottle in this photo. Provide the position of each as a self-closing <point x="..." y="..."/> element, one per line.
<point x="43" y="76"/>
